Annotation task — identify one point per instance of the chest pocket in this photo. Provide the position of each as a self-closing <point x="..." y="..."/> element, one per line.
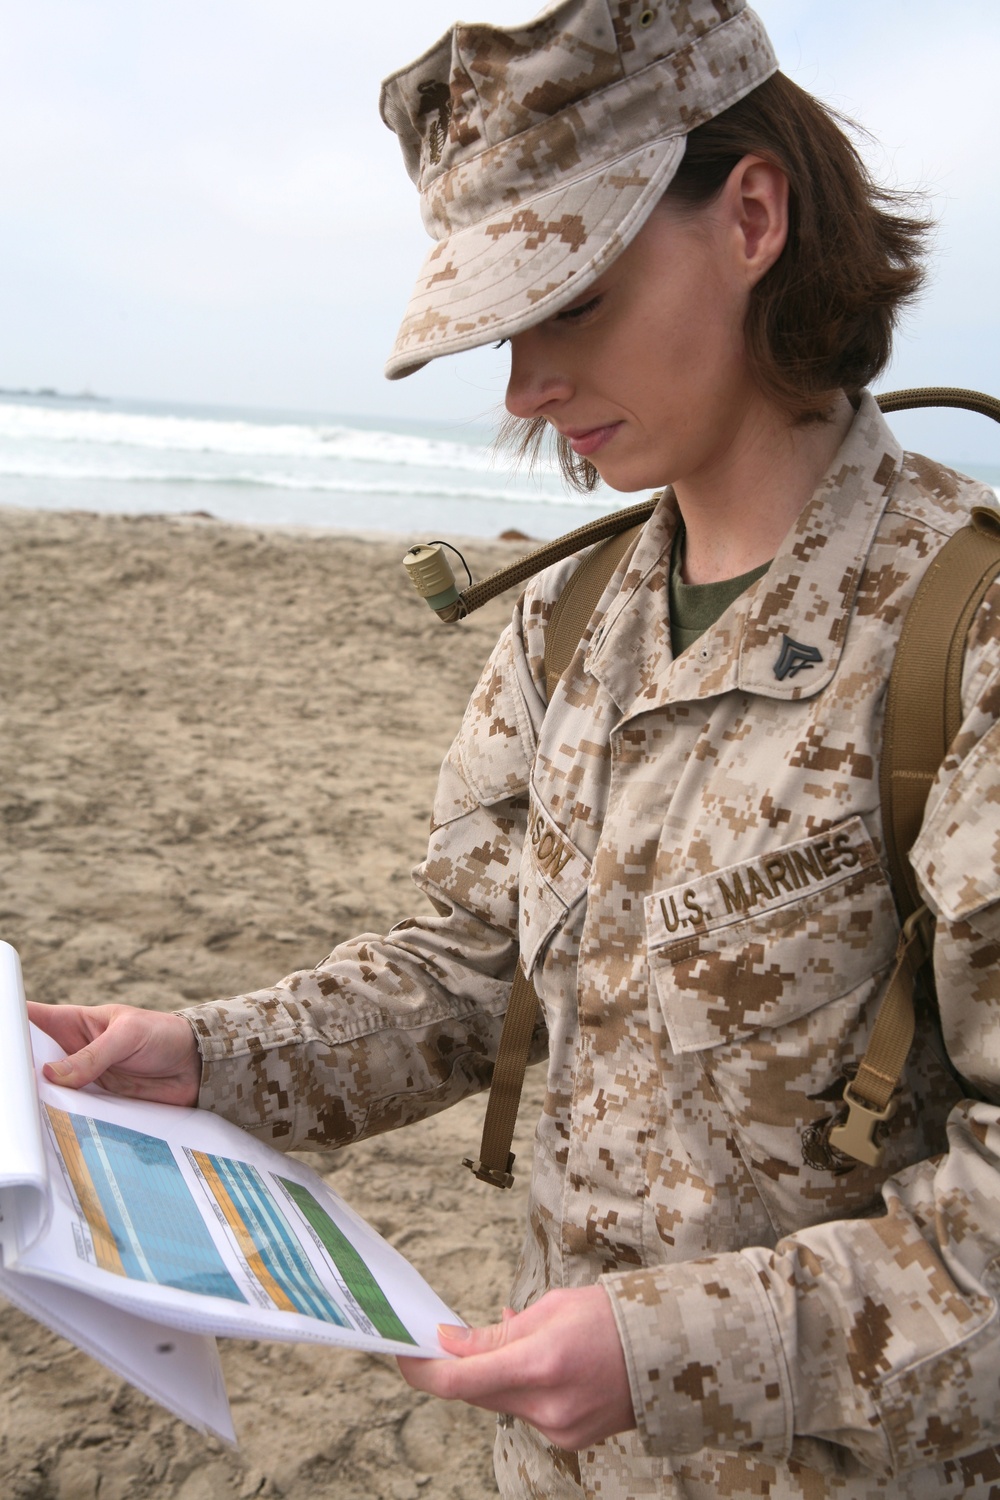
<point x="554" y="877"/>
<point x="771" y="973"/>
<point x="762" y="943"/>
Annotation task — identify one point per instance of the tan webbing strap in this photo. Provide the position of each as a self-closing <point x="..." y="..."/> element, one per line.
<point x="573" y="610"/>
<point x="924" y="701"/>
<point x="570" y="617"/>
<point x="923" y="715"/>
<point x="869" y="1098"/>
<point x="496" y="1159"/>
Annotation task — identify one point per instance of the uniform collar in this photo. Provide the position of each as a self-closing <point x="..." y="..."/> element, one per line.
<point x="784" y="637"/>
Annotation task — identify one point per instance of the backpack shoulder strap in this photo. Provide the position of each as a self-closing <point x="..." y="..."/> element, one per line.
<point x="924" y="700"/>
<point x="574" y="609"/>
<point x="571" y="615"/>
<point x="922" y="717"/>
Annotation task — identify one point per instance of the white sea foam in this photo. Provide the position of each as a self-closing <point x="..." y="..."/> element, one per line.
<point x="269" y="469"/>
<point x="111" y="428"/>
<point x="62" y="472"/>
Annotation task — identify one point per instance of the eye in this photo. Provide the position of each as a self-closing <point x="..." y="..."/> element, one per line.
<point x="570" y="314"/>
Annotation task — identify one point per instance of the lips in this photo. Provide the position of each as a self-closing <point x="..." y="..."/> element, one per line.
<point x="587" y="440"/>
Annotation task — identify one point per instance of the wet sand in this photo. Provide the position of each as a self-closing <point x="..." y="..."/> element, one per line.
<point x="219" y="748"/>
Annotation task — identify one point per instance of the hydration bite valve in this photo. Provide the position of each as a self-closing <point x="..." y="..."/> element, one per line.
<point x="431" y="576"/>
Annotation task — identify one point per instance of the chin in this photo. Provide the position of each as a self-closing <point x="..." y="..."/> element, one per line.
<point x="625" y="483"/>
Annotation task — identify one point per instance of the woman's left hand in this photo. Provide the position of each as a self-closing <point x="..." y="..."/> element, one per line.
<point x="559" y="1365"/>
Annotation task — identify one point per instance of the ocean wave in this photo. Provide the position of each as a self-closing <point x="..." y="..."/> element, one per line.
<point x="237" y="438"/>
<point x="388" y="488"/>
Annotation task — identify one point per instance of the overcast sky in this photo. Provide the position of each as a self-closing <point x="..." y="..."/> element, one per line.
<point x="200" y="202"/>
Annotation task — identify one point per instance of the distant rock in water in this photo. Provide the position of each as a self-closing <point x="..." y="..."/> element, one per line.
<point x="49" y="393"/>
<point x="513" y="536"/>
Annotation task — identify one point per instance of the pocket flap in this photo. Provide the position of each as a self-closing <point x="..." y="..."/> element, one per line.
<point x="763" y="942"/>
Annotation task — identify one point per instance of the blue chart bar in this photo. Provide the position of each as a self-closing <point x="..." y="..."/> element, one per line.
<point x="268" y="1242"/>
<point x="147" y="1206"/>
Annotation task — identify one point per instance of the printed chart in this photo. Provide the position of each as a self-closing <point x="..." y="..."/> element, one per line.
<point x="143" y="1222"/>
<point x="139" y="1216"/>
<point x="357" y="1279"/>
<point x="269" y="1248"/>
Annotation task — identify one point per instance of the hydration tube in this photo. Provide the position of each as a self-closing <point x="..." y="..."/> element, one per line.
<point x="430" y="571"/>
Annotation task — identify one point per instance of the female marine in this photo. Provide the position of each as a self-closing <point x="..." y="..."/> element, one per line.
<point x="697" y="282"/>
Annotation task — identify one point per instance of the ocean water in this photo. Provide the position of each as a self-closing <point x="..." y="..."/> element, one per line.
<point x="279" y="469"/>
<point x="276" y="469"/>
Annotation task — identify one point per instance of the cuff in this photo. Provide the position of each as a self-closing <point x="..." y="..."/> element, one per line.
<point x="247" y="1048"/>
<point x="704" y="1359"/>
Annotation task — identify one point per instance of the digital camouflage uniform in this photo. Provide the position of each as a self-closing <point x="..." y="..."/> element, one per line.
<point x="691" y="852"/>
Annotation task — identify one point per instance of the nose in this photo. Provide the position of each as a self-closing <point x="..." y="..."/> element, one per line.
<point x="538" y="382"/>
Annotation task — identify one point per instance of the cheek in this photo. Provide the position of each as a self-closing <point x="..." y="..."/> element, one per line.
<point x="700" y="313"/>
<point x="714" y="321"/>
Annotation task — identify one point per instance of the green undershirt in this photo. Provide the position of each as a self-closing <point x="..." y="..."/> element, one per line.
<point x="694" y="607"/>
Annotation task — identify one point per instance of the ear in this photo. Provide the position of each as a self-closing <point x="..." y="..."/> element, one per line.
<point x="757" y="194"/>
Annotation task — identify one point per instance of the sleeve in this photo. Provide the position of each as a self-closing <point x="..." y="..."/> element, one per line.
<point x="879" y="1334"/>
<point x="390" y="1029"/>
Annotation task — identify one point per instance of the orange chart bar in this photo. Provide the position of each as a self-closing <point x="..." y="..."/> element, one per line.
<point x="242" y="1235"/>
<point x="105" y="1248"/>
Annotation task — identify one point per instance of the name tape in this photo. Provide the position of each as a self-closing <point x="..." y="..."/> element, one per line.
<point x="551" y="851"/>
<point x="761" y="884"/>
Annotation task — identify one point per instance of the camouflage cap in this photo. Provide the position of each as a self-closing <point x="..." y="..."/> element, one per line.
<point x="540" y="151"/>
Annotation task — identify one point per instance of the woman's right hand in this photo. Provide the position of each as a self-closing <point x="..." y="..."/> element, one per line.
<point x="142" y="1054"/>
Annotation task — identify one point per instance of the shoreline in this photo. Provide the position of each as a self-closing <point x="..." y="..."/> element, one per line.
<point x="371" y="535"/>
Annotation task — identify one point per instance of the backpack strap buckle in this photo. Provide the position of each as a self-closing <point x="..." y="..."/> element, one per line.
<point x="493" y="1175"/>
<point x="856" y="1137"/>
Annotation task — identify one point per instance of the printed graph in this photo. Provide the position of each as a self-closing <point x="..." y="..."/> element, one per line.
<point x="140" y="1219"/>
<point x="268" y="1244"/>
<point x="143" y="1222"/>
<point x="356" y="1275"/>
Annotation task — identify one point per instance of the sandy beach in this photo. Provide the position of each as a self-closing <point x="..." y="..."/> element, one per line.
<point x="219" y="747"/>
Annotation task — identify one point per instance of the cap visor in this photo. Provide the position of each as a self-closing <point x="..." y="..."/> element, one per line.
<point x="508" y="272"/>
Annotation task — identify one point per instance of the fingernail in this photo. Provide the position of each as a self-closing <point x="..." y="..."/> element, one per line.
<point x="457" y="1332"/>
<point x="61" y="1069"/>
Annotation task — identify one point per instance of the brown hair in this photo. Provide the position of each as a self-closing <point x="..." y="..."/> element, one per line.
<point x="822" y="317"/>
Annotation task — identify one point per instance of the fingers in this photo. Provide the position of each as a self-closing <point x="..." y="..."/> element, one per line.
<point x="559" y="1365"/>
<point x="76" y="1029"/>
<point x="137" y="1053"/>
<point x="61" y="1022"/>
<point x="453" y="1382"/>
<point x="104" y="1051"/>
<point x="460" y="1339"/>
<point x="487" y="1367"/>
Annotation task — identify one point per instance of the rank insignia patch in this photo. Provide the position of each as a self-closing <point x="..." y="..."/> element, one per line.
<point x="795" y="658"/>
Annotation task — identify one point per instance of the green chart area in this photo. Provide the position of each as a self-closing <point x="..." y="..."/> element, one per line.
<point x="357" y="1277"/>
